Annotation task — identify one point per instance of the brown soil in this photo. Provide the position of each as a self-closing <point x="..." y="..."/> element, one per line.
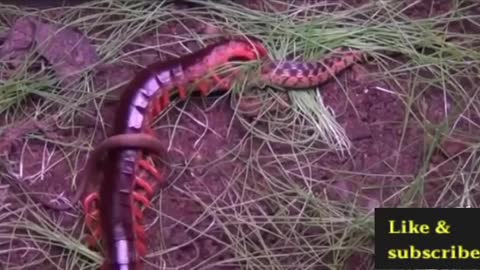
<point x="386" y="155"/>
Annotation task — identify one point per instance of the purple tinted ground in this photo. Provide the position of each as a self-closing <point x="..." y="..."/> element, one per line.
<point x="386" y="150"/>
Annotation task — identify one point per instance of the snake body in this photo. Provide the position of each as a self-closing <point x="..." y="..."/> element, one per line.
<point x="300" y="75"/>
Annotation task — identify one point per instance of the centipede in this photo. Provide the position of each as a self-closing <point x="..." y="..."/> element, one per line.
<point x="118" y="198"/>
<point x="114" y="212"/>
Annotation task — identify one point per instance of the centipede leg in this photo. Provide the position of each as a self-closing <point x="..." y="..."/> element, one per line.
<point x="139" y="232"/>
<point x="162" y="102"/>
<point x="88" y="203"/>
<point x="147" y="127"/>
<point x="145" y="186"/>
<point x="147" y="166"/>
<point x="141" y="199"/>
<point x="204" y="87"/>
<point x="157" y="108"/>
<point x="141" y="248"/>
<point x="149" y="131"/>
<point x="91" y="219"/>
<point x="165" y="100"/>
<point x="223" y="82"/>
<point x="150" y="117"/>
<point x="182" y="92"/>
<point x="93" y="239"/>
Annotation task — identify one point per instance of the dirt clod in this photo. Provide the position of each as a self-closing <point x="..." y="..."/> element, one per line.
<point x="66" y="49"/>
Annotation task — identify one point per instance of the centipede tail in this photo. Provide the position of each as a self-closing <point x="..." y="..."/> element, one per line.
<point x="125" y="190"/>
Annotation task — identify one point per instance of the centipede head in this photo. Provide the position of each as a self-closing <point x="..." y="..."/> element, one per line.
<point x="249" y="48"/>
<point x="255" y="44"/>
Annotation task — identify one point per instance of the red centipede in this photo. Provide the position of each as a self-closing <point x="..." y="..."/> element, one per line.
<point x="147" y="94"/>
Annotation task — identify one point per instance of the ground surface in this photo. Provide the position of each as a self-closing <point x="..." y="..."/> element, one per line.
<point x="213" y="213"/>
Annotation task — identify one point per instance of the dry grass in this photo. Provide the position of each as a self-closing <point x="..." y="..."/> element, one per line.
<point x="305" y="229"/>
